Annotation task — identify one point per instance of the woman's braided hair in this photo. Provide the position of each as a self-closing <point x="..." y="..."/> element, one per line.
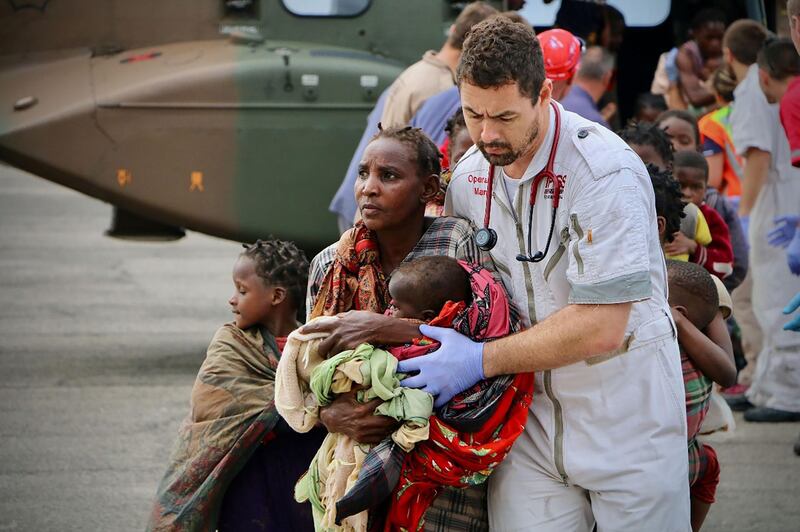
<point x="428" y="154"/>
<point x="281" y="263"/>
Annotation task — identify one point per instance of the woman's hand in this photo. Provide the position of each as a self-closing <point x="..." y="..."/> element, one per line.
<point x="345" y="415"/>
<point x="358" y="327"/>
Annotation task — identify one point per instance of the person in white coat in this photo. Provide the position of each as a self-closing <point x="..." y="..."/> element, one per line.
<point x="567" y="211"/>
<point x="766" y="194"/>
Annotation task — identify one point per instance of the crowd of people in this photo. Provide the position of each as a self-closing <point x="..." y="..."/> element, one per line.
<point x="528" y="316"/>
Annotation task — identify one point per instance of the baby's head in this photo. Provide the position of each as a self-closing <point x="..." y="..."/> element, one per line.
<point x="421" y="287"/>
<point x="270" y="277"/>
<point x="692" y="292"/>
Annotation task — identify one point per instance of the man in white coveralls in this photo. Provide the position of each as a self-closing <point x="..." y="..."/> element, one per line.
<point x="605" y="440"/>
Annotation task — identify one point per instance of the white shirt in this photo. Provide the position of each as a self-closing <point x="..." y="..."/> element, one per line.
<point x="605" y="246"/>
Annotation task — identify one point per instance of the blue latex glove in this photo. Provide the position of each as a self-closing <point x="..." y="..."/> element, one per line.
<point x="786" y="228"/>
<point x="793" y="254"/>
<point x="671" y="66"/>
<point x="451" y="369"/>
<point x="745" y="222"/>
<point x="793" y="305"/>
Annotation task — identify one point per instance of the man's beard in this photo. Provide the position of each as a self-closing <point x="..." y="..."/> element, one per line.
<point x="511" y="155"/>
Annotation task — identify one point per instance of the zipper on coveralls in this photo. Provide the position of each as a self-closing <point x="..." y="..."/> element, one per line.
<point x="558" y="443"/>
<point x="575" y="251"/>
<point x="551" y="264"/>
<point x="558" y="440"/>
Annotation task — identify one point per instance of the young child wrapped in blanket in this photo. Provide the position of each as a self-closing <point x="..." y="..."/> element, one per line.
<point x="459" y="446"/>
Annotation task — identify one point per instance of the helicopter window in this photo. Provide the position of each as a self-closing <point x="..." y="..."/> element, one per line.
<point x="326" y="8"/>
<point x="637" y="13"/>
<point x="240" y="8"/>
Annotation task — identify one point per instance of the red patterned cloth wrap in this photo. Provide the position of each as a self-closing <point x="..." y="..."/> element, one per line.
<point x="355" y="280"/>
<point x="474" y="432"/>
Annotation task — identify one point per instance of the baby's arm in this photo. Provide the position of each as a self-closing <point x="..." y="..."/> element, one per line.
<point x="712" y="351"/>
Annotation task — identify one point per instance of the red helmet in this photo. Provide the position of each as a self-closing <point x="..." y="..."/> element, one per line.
<point x="562" y="53"/>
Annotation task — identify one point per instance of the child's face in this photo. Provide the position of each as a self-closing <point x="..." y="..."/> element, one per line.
<point x="709" y="39"/>
<point x="649" y="155"/>
<point x="405" y="309"/>
<point x="648" y="114"/>
<point x="251" y="302"/>
<point x="461" y="143"/>
<point x="681" y="133"/>
<point x="403" y="300"/>
<point x="693" y="184"/>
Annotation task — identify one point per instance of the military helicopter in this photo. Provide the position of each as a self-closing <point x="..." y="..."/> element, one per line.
<point x="235" y="118"/>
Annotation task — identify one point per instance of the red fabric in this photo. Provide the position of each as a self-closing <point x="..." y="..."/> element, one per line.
<point x="705" y="489"/>
<point x="790" y="118"/>
<point x="444" y="149"/>
<point x="446" y="456"/>
<point x="717" y="257"/>
<point x="452" y="458"/>
<point x="281" y="341"/>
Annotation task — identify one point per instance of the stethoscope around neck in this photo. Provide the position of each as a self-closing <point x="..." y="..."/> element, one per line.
<point x="486" y="237"/>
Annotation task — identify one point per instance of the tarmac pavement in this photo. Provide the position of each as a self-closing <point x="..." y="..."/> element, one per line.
<point x="100" y="340"/>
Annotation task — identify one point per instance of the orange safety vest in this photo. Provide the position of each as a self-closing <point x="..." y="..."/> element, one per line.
<point x="716" y="126"/>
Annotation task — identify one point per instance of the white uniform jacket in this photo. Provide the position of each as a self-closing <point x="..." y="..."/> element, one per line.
<point x="595" y="424"/>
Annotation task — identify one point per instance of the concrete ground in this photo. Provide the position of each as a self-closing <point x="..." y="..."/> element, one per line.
<point x="99" y="343"/>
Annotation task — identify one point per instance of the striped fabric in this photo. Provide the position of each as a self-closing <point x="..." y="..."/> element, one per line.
<point x="698" y="391"/>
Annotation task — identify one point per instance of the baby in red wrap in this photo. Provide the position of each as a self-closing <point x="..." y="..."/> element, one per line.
<point x="472" y="433"/>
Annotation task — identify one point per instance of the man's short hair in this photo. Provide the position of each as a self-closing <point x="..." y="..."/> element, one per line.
<point x="498" y="52"/>
<point x="744" y="38"/>
<point x="596" y="63"/>
<point x="793" y="8"/>
<point x="471" y="15"/>
<point x="779" y="59"/>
